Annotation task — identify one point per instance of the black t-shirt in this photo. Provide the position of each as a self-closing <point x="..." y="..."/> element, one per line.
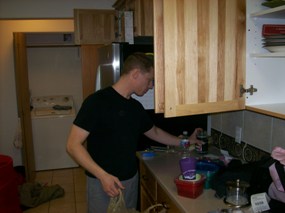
<point x="115" y="125"/>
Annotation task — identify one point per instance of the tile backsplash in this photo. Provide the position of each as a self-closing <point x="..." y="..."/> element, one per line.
<point x="241" y="151"/>
<point x="260" y="133"/>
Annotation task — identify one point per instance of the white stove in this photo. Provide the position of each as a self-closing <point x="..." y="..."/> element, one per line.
<point x="52" y="117"/>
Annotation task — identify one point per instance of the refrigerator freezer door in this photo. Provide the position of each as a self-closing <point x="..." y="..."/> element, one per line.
<point x="105" y="76"/>
<point x="108" y="72"/>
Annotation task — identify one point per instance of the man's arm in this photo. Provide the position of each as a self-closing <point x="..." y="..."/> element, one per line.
<point x="164" y="137"/>
<point x="78" y="152"/>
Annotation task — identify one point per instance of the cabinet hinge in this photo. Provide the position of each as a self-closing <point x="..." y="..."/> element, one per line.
<point x="250" y="90"/>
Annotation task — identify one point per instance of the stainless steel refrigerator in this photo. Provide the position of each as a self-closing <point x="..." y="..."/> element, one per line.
<point x="111" y="59"/>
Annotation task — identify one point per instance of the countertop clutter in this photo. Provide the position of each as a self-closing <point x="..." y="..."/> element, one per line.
<point x="164" y="169"/>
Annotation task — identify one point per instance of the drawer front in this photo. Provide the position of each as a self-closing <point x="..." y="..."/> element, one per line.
<point x="146" y="200"/>
<point x="148" y="181"/>
<point x="164" y="199"/>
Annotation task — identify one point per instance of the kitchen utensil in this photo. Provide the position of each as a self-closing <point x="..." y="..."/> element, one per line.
<point x="209" y="170"/>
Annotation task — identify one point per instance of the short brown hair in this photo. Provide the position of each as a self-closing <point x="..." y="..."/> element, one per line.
<point x="138" y="60"/>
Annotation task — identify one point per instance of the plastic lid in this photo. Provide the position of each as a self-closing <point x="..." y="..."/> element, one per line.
<point x="200" y="178"/>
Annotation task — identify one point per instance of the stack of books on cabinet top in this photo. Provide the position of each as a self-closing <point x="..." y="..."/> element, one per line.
<point x="274" y="37"/>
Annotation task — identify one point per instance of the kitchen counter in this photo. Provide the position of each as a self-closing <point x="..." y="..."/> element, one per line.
<point x="165" y="167"/>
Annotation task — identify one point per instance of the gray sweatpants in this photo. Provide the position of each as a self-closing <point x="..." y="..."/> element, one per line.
<point x="98" y="200"/>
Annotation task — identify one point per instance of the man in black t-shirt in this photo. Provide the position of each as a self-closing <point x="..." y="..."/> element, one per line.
<point x="111" y="121"/>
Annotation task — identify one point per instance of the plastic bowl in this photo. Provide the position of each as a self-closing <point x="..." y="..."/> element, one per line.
<point x="208" y="169"/>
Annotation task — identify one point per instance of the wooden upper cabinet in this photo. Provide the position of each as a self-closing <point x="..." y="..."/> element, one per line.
<point x="94" y="26"/>
<point x="142" y="15"/>
<point x="143" y="18"/>
<point x="203" y="62"/>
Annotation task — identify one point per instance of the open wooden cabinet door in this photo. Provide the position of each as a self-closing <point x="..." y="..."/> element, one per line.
<point x="199" y="56"/>
<point x="23" y="102"/>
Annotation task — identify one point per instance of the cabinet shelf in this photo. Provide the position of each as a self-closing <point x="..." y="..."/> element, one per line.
<point x="277" y="12"/>
<point x="275" y="110"/>
<point x="268" y="55"/>
<point x="267" y="101"/>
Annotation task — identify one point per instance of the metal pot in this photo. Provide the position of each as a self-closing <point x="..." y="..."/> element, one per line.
<point x="237" y="193"/>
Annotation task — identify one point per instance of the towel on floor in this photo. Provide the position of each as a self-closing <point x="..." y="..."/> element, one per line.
<point x="34" y="194"/>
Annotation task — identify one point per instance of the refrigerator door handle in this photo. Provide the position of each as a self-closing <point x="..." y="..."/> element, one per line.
<point x="98" y="79"/>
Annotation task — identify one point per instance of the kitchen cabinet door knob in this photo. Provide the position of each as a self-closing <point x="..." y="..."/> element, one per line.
<point x="165" y="205"/>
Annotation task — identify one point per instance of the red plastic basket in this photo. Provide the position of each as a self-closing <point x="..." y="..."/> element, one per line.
<point x="191" y="189"/>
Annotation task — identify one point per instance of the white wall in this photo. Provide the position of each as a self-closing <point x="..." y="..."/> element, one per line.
<point x="48" y="8"/>
<point x="28" y="9"/>
<point x="55" y="71"/>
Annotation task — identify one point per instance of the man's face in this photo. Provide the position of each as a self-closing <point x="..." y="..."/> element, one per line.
<point x="144" y="82"/>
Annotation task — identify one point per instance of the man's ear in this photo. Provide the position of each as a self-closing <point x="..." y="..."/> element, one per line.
<point x="135" y="73"/>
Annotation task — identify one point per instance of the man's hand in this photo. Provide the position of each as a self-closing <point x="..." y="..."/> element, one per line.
<point x="111" y="185"/>
<point x="193" y="137"/>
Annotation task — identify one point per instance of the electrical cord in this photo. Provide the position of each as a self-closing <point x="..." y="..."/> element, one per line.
<point x="243" y="152"/>
<point x="219" y="141"/>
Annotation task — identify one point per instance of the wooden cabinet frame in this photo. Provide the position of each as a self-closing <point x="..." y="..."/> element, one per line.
<point x="23" y="103"/>
<point x="89" y="64"/>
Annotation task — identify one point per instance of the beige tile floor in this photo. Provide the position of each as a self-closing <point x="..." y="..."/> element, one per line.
<point x="74" y="183"/>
